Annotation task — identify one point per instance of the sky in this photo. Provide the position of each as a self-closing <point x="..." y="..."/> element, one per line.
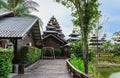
<point x="109" y="8"/>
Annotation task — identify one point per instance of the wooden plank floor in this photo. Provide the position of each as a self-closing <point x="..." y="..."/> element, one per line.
<point x="47" y="69"/>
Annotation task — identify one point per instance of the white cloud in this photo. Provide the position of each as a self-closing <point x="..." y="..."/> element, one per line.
<point x="48" y="8"/>
<point x="109" y="8"/>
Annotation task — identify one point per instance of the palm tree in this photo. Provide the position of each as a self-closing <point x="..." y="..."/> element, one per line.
<point x="2" y="4"/>
<point x="19" y="7"/>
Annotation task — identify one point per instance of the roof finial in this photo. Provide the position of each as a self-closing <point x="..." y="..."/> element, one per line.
<point x="53" y="16"/>
<point x="73" y="30"/>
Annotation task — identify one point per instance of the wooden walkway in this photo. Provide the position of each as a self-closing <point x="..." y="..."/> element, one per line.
<point x="47" y="69"/>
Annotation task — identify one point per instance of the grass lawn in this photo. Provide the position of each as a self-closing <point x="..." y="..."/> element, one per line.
<point x="106" y="72"/>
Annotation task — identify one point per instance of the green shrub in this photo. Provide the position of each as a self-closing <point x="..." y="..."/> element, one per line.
<point x="77" y="63"/>
<point x="115" y="59"/>
<point x="28" y="55"/>
<point x="57" y="52"/>
<point x="6" y="56"/>
<point x="76" y="48"/>
<point x="48" y="52"/>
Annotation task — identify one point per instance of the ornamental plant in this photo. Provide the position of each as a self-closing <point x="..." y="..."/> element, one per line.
<point x="28" y="55"/>
<point x="6" y="56"/>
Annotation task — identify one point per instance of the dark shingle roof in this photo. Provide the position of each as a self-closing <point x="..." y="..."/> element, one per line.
<point x="4" y="13"/>
<point x="16" y="27"/>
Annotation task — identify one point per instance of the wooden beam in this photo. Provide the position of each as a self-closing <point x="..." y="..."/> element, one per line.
<point x="15" y="51"/>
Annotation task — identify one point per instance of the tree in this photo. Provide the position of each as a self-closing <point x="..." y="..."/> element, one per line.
<point x="86" y="12"/>
<point x="76" y="48"/>
<point x="106" y="47"/>
<point x="116" y="37"/>
<point x="2" y="4"/>
<point x="19" y="7"/>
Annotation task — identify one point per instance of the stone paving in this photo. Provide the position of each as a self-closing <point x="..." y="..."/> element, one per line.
<point x="47" y="69"/>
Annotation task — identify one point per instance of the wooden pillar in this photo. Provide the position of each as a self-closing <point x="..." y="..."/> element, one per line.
<point x="15" y="51"/>
<point x="15" y="55"/>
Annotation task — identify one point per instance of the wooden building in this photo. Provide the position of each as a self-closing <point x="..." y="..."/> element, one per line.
<point x="74" y="36"/>
<point x="53" y="36"/>
<point x="96" y="41"/>
<point x="19" y="31"/>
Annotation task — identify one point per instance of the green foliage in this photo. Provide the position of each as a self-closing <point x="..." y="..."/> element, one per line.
<point x="77" y="63"/>
<point x="92" y="54"/>
<point x="85" y="12"/>
<point x="94" y="73"/>
<point x="57" y="52"/>
<point x="116" y="49"/>
<point x="106" y="47"/>
<point x="6" y="56"/>
<point x="106" y="72"/>
<point x="116" y="35"/>
<point x="114" y="60"/>
<point x="28" y="55"/>
<point x="2" y="4"/>
<point x="76" y="48"/>
<point x="19" y="7"/>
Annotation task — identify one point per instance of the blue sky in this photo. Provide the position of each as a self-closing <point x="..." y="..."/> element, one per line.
<point x="110" y="9"/>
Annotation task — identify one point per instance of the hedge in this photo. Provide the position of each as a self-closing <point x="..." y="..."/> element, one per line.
<point x="6" y="56"/>
<point x="28" y="55"/>
<point x="57" y="52"/>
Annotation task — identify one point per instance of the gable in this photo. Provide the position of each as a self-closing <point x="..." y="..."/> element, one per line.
<point x="51" y="39"/>
<point x="57" y="38"/>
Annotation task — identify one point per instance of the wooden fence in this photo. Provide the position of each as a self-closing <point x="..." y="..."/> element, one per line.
<point x="75" y="72"/>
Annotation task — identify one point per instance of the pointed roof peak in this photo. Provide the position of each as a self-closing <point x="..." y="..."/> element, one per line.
<point x="73" y="31"/>
<point x="53" y="21"/>
<point x="53" y="16"/>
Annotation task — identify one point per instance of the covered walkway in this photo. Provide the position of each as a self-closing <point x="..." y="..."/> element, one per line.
<point x="47" y="69"/>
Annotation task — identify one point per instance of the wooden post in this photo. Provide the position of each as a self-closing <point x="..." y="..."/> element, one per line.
<point x="73" y="71"/>
<point x="15" y="51"/>
<point x="15" y="54"/>
<point x="21" y="69"/>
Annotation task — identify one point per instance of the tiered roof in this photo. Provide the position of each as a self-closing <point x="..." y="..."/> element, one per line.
<point x="73" y="36"/>
<point x="54" y="28"/>
<point x="96" y="41"/>
<point x="117" y="39"/>
<point x="54" y="34"/>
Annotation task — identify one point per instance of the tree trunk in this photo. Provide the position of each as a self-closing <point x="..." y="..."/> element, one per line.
<point x="85" y="50"/>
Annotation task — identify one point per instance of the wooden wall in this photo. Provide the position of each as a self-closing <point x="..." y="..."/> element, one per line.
<point x="51" y="42"/>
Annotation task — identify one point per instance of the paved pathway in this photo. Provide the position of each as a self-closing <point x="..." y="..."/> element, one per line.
<point x="47" y="69"/>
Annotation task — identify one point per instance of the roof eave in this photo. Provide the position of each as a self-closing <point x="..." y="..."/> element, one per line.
<point x="10" y="37"/>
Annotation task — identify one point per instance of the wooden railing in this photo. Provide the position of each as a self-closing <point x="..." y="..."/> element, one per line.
<point x="75" y="72"/>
